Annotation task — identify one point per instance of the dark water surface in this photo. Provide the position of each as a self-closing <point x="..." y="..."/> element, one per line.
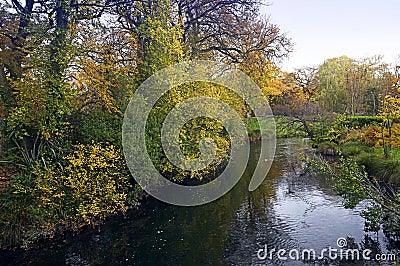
<point x="288" y="211"/>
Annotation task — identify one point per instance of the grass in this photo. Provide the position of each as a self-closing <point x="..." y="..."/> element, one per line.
<point x="374" y="161"/>
<point x="395" y="152"/>
<point x="352" y="148"/>
<point x="383" y="169"/>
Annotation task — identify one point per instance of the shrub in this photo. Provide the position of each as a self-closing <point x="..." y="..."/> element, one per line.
<point x="95" y="181"/>
<point x="15" y="207"/>
<point x="348" y="177"/>
<point x="369" y="135"/>
<point x="98" y="126"/>
<point x="361" y="121"/>
<point x="54" y="197"/>
<point x="287" y="127"/>
<point x="331" y="131"/>
<point x="348" y="128"/>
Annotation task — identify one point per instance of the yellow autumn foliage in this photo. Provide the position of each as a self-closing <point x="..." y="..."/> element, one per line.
<point x="88" y="189"/>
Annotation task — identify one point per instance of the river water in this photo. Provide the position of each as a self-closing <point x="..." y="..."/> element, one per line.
<point x="290" y="210"/>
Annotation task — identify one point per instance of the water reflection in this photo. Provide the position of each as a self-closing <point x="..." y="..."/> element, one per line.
<point x="289" y="210"/>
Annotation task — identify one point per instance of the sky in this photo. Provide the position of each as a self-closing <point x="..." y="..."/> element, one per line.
<point x="322" y="29"/>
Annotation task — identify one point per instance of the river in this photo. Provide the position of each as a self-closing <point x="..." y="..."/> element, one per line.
<point x="290" y="210"/>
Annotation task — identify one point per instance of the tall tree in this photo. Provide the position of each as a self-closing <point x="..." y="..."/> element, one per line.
<point x="221" y="29"/>
<point x="332" y="83"/>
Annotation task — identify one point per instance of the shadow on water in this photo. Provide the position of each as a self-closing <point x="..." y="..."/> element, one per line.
<point x="289" y="210"/>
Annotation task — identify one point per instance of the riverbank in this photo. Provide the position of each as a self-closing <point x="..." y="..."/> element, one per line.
<point x="54" y="202"/>
<point x="367" y="168"/>
<point x="286" y="126"/>
<point x="228" y="231"/>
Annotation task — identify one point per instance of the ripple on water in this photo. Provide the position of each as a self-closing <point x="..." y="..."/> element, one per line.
<point x="287" y="211"/>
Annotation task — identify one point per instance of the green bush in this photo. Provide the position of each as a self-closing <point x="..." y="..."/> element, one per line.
<point x="361" y="121"/>
<point x="98" y="126"/>
<point x="193" y="131"/>
<point x="287" y="127"/>
<point x="331" y="131"/>
<point x="337" y="129"/>
<point x="16" y="211"/>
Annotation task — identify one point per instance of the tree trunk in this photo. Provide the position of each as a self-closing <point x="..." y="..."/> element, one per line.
<point x="307" y="128"/>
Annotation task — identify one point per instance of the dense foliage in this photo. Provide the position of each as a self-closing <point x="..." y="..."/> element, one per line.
<point x="69" y="68"/>
<point x="350" y="108"/>
<point x="52" y="197"/>
<point x="67" y="72"/>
